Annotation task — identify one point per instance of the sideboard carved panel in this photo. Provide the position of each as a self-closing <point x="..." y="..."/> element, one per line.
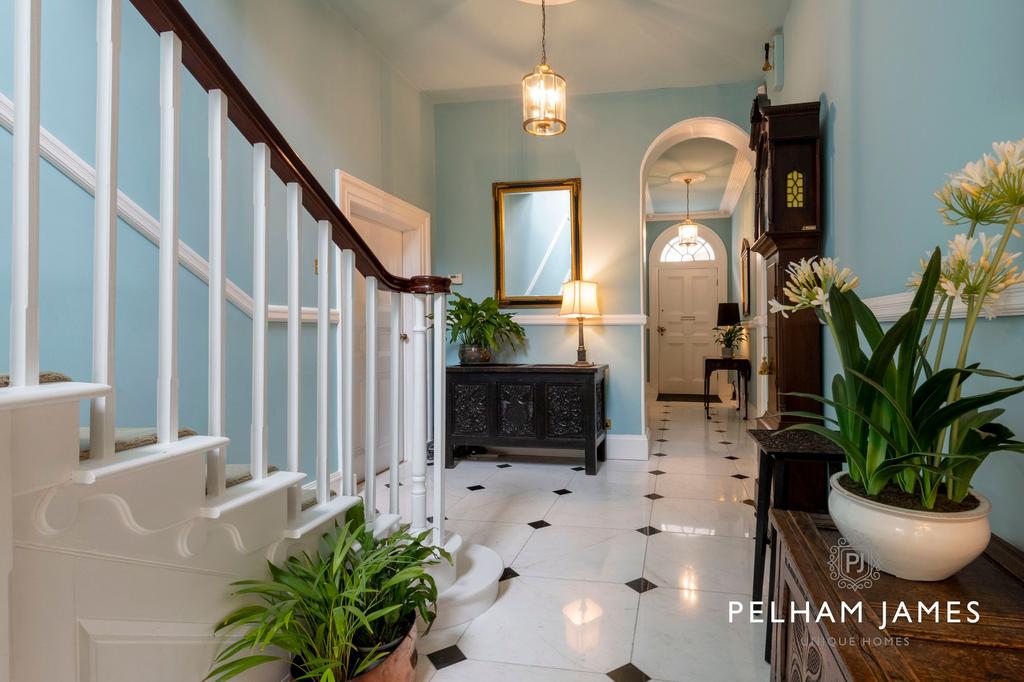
<point x="516" y="410"/>
<point x="565" y="413"/>
<point x="469" y="404"/>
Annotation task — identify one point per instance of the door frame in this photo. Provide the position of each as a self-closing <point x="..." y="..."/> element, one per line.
<point x="358" y="198"/>
<point x="654" y="270"/>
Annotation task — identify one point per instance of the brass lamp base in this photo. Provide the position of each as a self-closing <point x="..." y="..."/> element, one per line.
<point x="581" y="350"/>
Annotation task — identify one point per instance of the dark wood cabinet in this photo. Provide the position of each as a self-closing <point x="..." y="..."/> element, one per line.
<point x="788" y="227"/>
<point x="942" y="645"/>
<point x="539" y="406"/>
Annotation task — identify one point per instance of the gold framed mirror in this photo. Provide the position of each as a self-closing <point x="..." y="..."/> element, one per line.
<point x="536" y="240"/>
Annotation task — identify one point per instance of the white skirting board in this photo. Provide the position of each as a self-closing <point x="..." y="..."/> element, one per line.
<point x="628" y="446"/>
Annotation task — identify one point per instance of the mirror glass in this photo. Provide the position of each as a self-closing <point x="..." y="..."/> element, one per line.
<point x="537" y="239"/>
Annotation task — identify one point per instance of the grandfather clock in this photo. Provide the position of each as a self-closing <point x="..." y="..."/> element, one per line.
<point x="788" y="227"/>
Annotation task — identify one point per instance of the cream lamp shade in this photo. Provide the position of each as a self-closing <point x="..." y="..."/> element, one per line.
<point x="579" y="299"/>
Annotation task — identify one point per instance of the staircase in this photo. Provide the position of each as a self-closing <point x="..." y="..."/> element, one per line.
<point x="118" y="545"/>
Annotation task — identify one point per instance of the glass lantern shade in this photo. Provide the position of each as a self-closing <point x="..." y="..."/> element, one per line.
<point x="688" y="233"/>
<point x="543" y="102"/>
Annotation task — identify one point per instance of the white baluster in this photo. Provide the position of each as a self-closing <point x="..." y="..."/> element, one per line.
<point x="323" y="329"/>
<point x="102" y="413"/>
<point x="440" y="316"/>
<point x="294" y="215"/>
<point x="167" y="343"/>
<point x="370" y="403"/>
<point x="395" y="401"/>
<point x="25" y="233"/>
<point x="217" y="147"/>
<point x="347" y="304"/>
<point x="418" y="448"/>
<point x="260" y="199"/>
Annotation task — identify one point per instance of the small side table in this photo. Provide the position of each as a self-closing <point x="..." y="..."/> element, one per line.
<point x="793" y="471"/>
<point x="742" y="367"/>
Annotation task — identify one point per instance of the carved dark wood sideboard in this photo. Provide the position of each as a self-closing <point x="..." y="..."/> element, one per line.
<point x="922" y="650"/>
<point x="535" y="406"/>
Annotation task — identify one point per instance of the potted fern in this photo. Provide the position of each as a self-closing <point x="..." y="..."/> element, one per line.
<point x="730" y="338"/>
<point x="346" y="612"/>
<point x="481" y="329"/>
<point x="913" y="438"/>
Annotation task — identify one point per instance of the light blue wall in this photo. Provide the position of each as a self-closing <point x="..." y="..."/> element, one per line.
<point x="911" y="91"/>
<point x="478" y="143"/>
<point x="332" y="95"/>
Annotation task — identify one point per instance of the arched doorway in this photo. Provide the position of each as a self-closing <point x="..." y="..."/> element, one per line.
<point x="687" y="282"/>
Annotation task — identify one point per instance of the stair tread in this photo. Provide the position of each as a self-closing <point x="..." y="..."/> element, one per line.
<point x="44" y="378"/>
<point x="244" y="493"/>
<point x="309" y="497"/>
<point x="236" y="474"/>
<point x="92" y="470"/>
<point x="17" y="397"/>
<point x="317" y="515"/>
<point x="126" y="438"/>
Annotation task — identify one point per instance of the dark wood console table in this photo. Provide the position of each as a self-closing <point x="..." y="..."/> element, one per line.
<point x="990" y="649"/>
<point x="523" y="406"/>
<point x="742" y="367"/>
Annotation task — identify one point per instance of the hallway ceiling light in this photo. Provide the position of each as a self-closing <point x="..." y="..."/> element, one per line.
<point x="688" y="230"/>
<point x="543" y="92"/>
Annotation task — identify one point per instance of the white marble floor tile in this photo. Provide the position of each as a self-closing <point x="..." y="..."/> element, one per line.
<point x="507" y="539"/>
<point x="440" y="638"/>
<point x="532" y="477"/>
<point x="700" y="562"/>
<point x="714" y="465"/>
<point x="721" y="488"/>
<point x="613" y="483"/>
<point x="503" y="505"/>
<point x="600" y="511"/>
<point x="579" y="553"/>
<point x="703" y="517"/>
<point x="489" y="671"/>
<point x="686" y="635"/>
<point x="567" y="624"/>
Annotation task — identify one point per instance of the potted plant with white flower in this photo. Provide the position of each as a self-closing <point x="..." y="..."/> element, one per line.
<point x="913" y="438"/>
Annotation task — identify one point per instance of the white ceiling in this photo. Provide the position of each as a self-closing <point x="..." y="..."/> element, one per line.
<point x="712" y="157"/>
<point x="457" y="49"/>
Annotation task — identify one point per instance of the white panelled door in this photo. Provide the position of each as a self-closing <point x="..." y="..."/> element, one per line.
<point x="687" y="306"/>
<point x="386" y="242"/>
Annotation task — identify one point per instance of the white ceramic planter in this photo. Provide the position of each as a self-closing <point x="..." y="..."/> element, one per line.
<point x="914" y="545"/>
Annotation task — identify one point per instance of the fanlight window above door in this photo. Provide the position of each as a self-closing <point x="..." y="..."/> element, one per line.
<point x="677" y="252"/>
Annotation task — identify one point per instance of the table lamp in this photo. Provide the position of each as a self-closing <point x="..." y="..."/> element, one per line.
<point x="728" y="314"/>
<point x="579" y="300"/>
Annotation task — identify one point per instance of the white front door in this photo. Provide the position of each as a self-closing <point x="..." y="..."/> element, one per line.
<point x="386" y="242"/>
<point x="687" y="306"/>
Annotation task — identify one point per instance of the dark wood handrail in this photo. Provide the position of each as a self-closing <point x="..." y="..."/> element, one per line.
<point x="208" y="67"/>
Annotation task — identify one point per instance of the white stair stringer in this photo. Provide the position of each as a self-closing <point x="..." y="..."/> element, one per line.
<point x="478" y="570"/>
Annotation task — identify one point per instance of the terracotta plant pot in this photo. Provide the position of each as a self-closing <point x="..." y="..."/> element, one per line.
<point x="398" y="666"/>
<point x="474" y="355"/>
<point x="906" y="543"/>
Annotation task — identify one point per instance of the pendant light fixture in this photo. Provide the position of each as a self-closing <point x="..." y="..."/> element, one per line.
<point x="688" y="230"/>
<point x="543" y="92"/>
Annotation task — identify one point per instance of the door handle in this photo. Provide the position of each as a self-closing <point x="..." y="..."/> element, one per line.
<point x="661" y="331"/>
<point x="403" y="337"/>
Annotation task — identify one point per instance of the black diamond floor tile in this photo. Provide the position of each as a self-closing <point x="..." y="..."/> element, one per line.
<point x="654" y="496"/>
<point x="442" y="658"/>
<point x="539" y="524"/>
<point x="657" y="472"/>
<point x="579" y="468"/>
<point x="474" y="487"/>
<point x="731" y="457"/>
<point x="562" y="491"/>
<point x="725" y="442"/>
<point x="648" y="530"/>
<point x="740" y="476"/>
<point x="628" y="673"/>
<point x="748" y="502"/>
<point x="662" y="440"/>
<point x="658" y="454"/>
<point x="641" y="585"/>
<point x="507" y="574"/>
<point x="504" y="466"/>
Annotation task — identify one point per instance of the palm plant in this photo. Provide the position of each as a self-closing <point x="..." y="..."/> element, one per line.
<point x="899" y="417"/>
<point x="482" y="324"/>
<point x="333" y="613"/>
<point x="731" y="336"/>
